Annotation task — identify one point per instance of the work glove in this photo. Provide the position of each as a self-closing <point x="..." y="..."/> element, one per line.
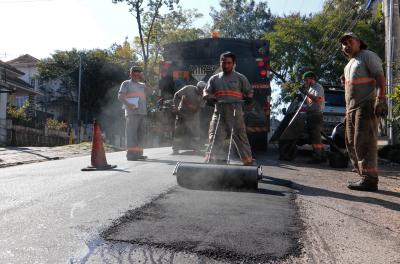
<point x="380" y="107"/>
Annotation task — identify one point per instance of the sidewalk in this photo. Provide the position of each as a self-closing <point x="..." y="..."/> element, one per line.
<point x="12" y="156"/>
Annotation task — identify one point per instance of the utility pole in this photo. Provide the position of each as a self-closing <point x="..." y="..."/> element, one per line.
<point x="392" y="36"/>
<point x="79" y="98"/>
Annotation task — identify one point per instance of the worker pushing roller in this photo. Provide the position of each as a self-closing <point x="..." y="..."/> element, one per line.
<point x="227" y="90"/>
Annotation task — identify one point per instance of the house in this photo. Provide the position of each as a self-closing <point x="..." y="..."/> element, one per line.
<point x="11" y="80"/>
<point x="54" y="101"/>
<point x="13" y="91"/>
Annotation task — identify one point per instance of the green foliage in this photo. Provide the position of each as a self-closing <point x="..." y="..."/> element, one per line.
<point x="300" y="43"/>
<point x="147" y="14"/>
<point x="54" y="124"/>
<point x="396" y="103"/>
<point x="242" y="19"/>
<point x="101" y="70"/>
<point x="124" y="55"/>
<point x="18" y="114"/>
<point x="174" y="26"/>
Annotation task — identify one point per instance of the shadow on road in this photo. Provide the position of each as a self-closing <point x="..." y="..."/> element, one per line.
<point x="314" y="191"/>
<point x="29" y="151"/>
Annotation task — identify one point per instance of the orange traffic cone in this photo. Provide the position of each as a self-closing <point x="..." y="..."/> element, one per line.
<point x="98" y="159"/>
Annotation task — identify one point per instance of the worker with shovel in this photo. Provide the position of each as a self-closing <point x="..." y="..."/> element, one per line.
<point x="187" y="104"/>
<point x="314" y="114"/>
<point x="228" y="89"/>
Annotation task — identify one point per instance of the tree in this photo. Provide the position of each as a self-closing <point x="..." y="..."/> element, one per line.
<point x="173" y="26"/>
<point x="242" y="19"/>
<point x="151" y="9"/>
<point x="101" y="73"/>
<point x="124" y="55"/>
<point x="299" y="43"/>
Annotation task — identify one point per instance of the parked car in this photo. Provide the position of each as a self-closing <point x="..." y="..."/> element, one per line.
<point x="335" y="108"/>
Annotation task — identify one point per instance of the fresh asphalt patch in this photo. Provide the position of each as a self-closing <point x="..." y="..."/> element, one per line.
<point x="261" y="226"/>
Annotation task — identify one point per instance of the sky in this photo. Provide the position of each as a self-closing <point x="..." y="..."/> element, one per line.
<point x="39" y="27"/>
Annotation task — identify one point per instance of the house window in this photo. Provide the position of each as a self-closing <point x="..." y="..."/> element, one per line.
<point x="33" y="80"/>
<point x="20" y="101"/>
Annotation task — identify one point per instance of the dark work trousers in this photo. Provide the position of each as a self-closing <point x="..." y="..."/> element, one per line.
<point x="227" y="121"/>
<point x="134" y="134"/>
<point x="362" y="139"/>
<point x="314" y="128"/>
<point x="187" y="134"/>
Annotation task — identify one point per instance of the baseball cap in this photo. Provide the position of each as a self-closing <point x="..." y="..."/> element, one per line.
<point x="136" y="69"/>
<point x="352" y="35"/>
<point x="309" y="74"/>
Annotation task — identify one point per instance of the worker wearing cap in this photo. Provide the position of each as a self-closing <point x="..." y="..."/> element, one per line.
<point x="314" y="113"/>
<point x="187" y="103"/>
<point x="365" y="102"/>
<point x="228" y="89"/>
<point x="132" y="94"/>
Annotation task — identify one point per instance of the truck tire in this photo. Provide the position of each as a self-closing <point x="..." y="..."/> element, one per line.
<point x="287" y="150"/>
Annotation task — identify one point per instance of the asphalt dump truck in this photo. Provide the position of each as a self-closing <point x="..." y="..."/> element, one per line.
<point x="192" y="61"/>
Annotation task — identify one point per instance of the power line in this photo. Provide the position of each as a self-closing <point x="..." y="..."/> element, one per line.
<point x="23" y="1"/>
<point x="348" y="26"/>
<point x="356" y="20"/>
<point x="347" y="22"/>
<point x="331" y="30"/>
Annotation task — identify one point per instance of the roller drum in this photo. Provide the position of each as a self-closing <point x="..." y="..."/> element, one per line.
<point x="215" y="176"/>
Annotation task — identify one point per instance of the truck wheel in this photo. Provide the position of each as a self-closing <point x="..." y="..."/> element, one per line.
<point x="287" y="150"/>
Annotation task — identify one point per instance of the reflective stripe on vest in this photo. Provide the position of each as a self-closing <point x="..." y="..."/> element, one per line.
<point x="361" y="80"/>
<point x="135" y="94"/>
<point x="224" y="93"/>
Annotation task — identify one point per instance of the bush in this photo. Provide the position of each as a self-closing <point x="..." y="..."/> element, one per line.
<point x="54" y="124"/>
<point x="18" y="114"/>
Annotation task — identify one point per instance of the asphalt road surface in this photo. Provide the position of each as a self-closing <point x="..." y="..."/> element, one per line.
<point x="52" y="212"/>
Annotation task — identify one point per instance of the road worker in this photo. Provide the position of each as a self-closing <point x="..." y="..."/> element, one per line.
<point x="228" y="88"/>
<point x="132" y="94"/>
<point x="314" y="114"/>
<point x="187" y="103"/>
<point x="365" y="103"/>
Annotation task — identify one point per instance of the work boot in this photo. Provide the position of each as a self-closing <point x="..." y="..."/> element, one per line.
<point x="141" y="157"/>
<point x="175" y="152"/>
<point x="368" y="184"/>
<point x="136" y="157"/>
<point x="252" y="163"/>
